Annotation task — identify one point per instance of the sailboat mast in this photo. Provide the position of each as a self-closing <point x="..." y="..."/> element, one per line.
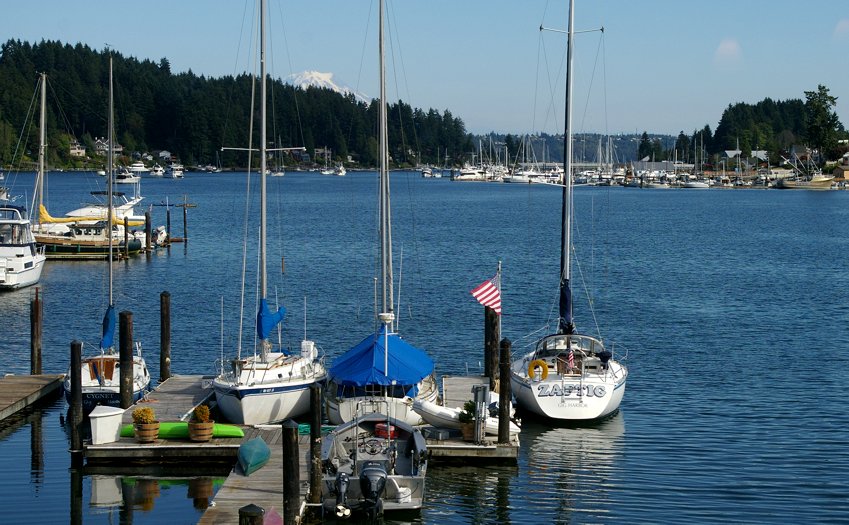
<point x="262" y="154"/>
<point x="566" y="326"/>
<point x="42" y="123"/>
<point x="385" y="219"/>
<point x="111" y="176"/>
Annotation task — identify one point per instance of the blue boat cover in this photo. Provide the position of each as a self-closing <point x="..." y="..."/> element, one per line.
<point x="266" y="320"/>
<point x="107" y="340"/>
<point x="362" y="365"/>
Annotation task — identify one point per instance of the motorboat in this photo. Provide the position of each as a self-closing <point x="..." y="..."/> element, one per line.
<point x="21" y="260"/>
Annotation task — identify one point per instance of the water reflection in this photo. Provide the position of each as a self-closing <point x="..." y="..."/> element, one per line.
<point x="468" y="494"/>
<point x="572" y="469"/>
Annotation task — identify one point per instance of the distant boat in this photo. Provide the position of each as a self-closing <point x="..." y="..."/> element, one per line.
<point x="268" y="386"/>
<point x="174" y="171"/>
<point x="138" y="167"/>
<point x="157" y="171"/>
<point x="21" y="260"/>
<point x="340" y="170"/>
<point x="125" y="176"/>
<point x="101" y="373"/>
<point x="568" y="376"/>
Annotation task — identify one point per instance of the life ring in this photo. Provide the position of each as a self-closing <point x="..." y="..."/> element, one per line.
<point x="538" y="363"/>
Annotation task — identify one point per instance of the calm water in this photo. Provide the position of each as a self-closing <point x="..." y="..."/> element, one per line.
<point x="731" y="306"/>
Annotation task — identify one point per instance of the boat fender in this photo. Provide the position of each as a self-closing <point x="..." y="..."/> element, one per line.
<point x="538" y="363"/>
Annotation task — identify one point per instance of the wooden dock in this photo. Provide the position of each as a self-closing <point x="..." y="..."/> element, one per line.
<point x="175" y="398"/>
<point x="264" y="487"/>
<point x="19" y="392"/>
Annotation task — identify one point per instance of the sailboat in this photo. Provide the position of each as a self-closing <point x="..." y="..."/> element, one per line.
<point x="21" y="260"/>
<point x="375" y="460"/>
<point x="568" y="376"/>
<point x="101" y="373"/>
<point x="78" y="236"/>
<point x="382" y="373"/>
<point x="268" y="386"/>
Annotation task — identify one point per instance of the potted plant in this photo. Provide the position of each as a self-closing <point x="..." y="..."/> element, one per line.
<point x="467" y="420"/>
<point x="200" y="426"/>
<point x="145" y="425"/>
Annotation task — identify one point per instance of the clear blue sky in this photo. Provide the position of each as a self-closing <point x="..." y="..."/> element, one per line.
<point x="668" y="65"/>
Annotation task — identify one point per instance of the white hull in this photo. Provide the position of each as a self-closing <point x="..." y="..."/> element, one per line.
<point x="21" y="261"/>
<point x="445" y="417"/>
<point x="16" y="272"/>
<point x="270" y="391"/>
<point x="343" y="409"/>
<point x="589" y="391"/>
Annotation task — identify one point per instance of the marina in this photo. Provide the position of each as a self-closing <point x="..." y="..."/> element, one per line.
<point x="618" y="470"/>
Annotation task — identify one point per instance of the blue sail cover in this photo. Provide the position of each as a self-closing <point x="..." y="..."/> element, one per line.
<point x="266" y="320"/>
<point x="107" y="340"/>
<point x="362" y="365"/>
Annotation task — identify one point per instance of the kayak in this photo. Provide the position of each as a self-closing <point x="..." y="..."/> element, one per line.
<point x="180" y="430"/>
<point x="253" y="454"/>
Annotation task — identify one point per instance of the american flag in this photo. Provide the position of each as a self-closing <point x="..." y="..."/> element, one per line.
<point x="571" y="358"/>
<point x="488" y="294"/>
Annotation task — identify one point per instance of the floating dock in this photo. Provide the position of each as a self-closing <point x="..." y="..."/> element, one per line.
<point x="19" y="392"/>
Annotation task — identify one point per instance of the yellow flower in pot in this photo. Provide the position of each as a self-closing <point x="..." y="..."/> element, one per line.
<point x="145" y="425"/>
<point x="200" y="426"/>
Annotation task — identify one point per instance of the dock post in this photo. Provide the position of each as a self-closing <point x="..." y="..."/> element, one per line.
<point x="315" y="443"/>
<point x="185" y="221"/>
<point x="291" y="472"/>
<point x="164" y="336"/>
<point x="147" y="232"/>
<point x="35" y="320"/>
<point x="125" y="357"/>
<point x="504" y="394"/>
<point x="76" y="412"/>
<point x="251" y="515"/>
<point x="168" y="225"/>
<point x="126" y="237"/>
<point x="491" y="337"/>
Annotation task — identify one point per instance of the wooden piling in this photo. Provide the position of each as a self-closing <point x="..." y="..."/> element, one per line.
<point x="185" y="221"/>
<point x="76" y="412"/>
<point x="35" y="319"/>
<point x="126" y="237"/>
<point x="291" y="472"/>
<point x="148" y="228"/>
<point x="491" y="337"/>
<point x="251" y="515"/>
<point x="504" y="393"/>
<point x="164" y="336"/>
<point x="125" y="340"/>
<point x="168" y="225"/>
<point x="315" y="443"/>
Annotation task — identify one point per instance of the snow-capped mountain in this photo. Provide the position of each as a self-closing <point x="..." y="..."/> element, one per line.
<point x="317" y="79"/>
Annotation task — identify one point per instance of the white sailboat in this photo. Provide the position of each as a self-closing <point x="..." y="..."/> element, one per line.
<point x="271" y="385"/>
<point x="382" y="373"/>
<point x="101" y="373"/>
<point x="21" y="260"/>
<point x="568" y="376"/>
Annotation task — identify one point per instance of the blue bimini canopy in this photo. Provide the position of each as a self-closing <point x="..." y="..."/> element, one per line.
<point x="363" y="364"/>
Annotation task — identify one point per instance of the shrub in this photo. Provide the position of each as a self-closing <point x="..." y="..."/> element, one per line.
<point x="201" y="414"/>
<point x="143" y="415"/>
<point x="467" y="415"/>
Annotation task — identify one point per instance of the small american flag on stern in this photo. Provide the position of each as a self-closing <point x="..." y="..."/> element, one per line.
<point x="489" y="295"/>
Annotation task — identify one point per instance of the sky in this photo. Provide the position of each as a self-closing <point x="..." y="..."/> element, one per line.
<point x="661" y="66"/>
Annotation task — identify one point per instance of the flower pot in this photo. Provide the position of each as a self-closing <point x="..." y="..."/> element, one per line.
<point x="468" y="430"/>
<point x="146" y="432"/>
<point x="200" y="431"/>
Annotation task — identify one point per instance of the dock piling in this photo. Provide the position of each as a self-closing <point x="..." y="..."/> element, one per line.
<point x="291" y="472"/>
<point x="126" y="237"/>
<point x="168" y="225"/>
<point x="315" y="444"/>
<point x="251" y="515"/>
<point x="76" y="412"/>
<point x="35" y="317"/>
<point x="504" y="393"/>
<point x="147" y="232"/>
<point x="491" y="337"/>
<point x="164" y="336"/>
<point x="125" y="357"/>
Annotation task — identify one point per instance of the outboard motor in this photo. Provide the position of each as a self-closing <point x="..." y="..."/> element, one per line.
<point x="372" y="484"/>
<point x="343" y="511"/>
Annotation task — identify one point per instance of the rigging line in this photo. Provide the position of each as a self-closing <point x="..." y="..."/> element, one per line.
<point x="592" y="81"/>
<point x="396" y="36"/>
<point x="228" y="110"/>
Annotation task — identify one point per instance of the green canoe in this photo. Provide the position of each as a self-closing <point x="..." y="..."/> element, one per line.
<point x="180" y="430"/>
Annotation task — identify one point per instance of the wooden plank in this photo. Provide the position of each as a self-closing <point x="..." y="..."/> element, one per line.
<point x="19" y="392"/>
<point x="456" y="390"/>
<point x="175" y="398"/>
